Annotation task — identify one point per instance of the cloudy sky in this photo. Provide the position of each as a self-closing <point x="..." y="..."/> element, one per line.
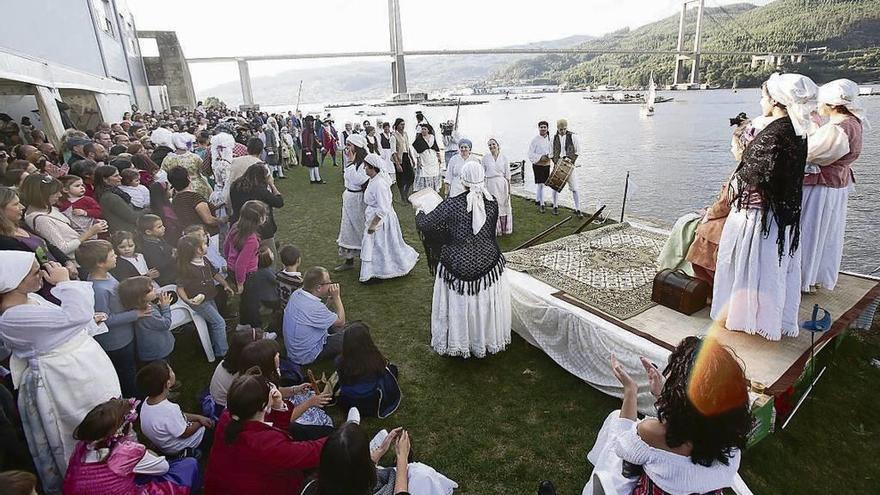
<point x="212" y="28"/>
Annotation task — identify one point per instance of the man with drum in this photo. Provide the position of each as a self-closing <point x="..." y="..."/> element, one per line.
<point x="539" y="155"/>
<point x="565" y="145"/>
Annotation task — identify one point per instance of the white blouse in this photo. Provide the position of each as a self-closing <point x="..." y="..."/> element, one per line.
<point x="496" y="167"/>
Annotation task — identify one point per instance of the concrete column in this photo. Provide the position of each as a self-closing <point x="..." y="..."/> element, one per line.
<point x="244" y="74"/>
<point x="698" y="43"/>
<point x="398" y="68"/>
<point x="676" y="76"/>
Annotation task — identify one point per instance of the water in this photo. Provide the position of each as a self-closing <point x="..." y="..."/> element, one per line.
<point x="677" y="159"/>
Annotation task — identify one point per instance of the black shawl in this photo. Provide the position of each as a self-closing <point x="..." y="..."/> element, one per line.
<point x="421" y="145"/>
<point x="773" y="165"/>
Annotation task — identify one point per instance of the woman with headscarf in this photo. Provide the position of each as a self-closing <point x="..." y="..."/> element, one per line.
<point x="183" y="157"/>
<point x="272" y="148"/>
<point x="161" y="138"/>
<point x="288" y="150"/>
<point x="60" y="372"/>
<point x="497" y="169"/>
<point x="757" y="278"/>
<point x="384" y="253"/>
<point x="456" y="165"/>
<point x="310" y="150"/>
<point x="427" y="160"/>
<point x="351" y="226"/>
<point x="833" y="148"/>
<point x="221" y="148"/>
<point x="470" y="314"/>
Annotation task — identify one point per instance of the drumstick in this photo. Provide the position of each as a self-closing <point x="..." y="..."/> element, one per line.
<point x="313" y="382"/>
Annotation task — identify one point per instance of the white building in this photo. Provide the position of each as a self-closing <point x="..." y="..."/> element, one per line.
<point x="83" y="53"/>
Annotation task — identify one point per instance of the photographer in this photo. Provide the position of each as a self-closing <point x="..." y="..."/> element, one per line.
<point x="450" y="140"/>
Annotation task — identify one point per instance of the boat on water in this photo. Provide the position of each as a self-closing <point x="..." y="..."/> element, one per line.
<point x="650" y="99"/>
<point x="369" y="113"/>
<point x="628" y="99"/>
<point x="448" y="102"/>
<point x="344" y="105"/>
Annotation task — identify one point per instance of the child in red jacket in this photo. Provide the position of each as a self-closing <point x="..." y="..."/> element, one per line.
<point x="82" y="210"/>
<point x="251" y="456"/>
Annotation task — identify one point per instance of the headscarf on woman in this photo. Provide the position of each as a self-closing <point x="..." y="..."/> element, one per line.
<point x="357" y="140"/>
<point x="14" y="267"/>
<point x="378" y="163"/>
<point x="182" y="140"/>
<point x="473" y="178"/>
<point x="798" y="94"/>
<point x="162" y="137"/>
<point x="844" y="93"/>
<point x="466" y="142"/>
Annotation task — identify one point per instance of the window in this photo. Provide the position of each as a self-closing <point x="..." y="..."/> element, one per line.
<point x="104" y="15"/>
<point x="149" y="47"/>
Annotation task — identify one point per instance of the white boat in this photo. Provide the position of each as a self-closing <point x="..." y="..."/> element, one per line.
<point x="648" y="107"/>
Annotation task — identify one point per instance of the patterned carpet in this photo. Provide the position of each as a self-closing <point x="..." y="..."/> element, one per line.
<point x="611" y="268"/>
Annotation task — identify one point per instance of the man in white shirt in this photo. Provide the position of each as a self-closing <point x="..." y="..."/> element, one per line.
<point x="565" y="144"/>
<point x="539" y="155"/>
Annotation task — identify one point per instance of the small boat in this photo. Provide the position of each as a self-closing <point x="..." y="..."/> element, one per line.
<point x="450" y="102"/>
<point x="344" y="105"/>
<point x="369" y="113"/>
<point x="648" y="107"/>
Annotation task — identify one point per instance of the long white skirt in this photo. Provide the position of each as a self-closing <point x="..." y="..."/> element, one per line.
<point x="463" y="325"/>
<point x="754" y="292"/>
<point x="351" y="226"/>
<point x="57" y="389"/>
<point x="823" y="222"/>
<point x="607" y="465"/>
<point x="500" y="189"/>
<point x="384" y="253"/>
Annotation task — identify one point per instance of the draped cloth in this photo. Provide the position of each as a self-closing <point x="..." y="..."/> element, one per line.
<point x="474" y="179"/>
<point x="14" y="267"/>
<point x="798" y="94"/>
<point x="843" y="92"/>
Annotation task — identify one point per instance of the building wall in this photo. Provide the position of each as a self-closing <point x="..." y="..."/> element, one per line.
<point x="170" y="69"/>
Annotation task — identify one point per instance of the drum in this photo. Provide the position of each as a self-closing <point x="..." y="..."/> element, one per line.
<point x="559" y="176"/>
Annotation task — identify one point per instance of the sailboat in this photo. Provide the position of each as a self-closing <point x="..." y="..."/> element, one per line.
<point x="733" y="87"/>
<point x="648" y="108"/>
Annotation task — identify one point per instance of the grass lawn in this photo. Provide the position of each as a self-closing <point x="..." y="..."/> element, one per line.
<point x="504" y="423"/>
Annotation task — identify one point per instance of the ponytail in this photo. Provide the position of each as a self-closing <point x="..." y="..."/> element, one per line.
<point x="248" y="395"/>
<point x="233" y="429"/>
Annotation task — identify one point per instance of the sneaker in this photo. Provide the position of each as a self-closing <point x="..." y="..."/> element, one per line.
<point x="270" y="335"/>
<point x="541" y="208"/>
<point x="377" y="440"/>
<point x="354" y="416"/>
<point x="555" y="210"/>
<point x="546" y="488"/>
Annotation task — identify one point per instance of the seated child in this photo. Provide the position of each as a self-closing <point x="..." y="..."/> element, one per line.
<point x="196" y="279"/>
<point x="153" y="336"/>
<point x="109" y="459"/>
<point x="366" y="379"/>
<point x="85" y="169"/>
<point x="82" y="210"/>
<point x="212" y="242"/>
<point x="260" y="291"/>
<point x="227" y="370"/>
<point x="158" y="254"/>
<point x="131" y="185"/>
<point x="289" y="278"/>
<point x="172" y="431"/>
<point x="128" y="262"/>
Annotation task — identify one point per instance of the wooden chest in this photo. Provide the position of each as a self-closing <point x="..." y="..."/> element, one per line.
<point x="679" y="291"/>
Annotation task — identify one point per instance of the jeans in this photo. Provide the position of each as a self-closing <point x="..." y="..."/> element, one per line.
<point x="333" y="346"/>
<point x="125" y="363"/>
<point x="216" y="326"/>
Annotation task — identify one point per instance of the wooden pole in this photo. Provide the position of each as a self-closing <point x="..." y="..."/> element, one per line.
<point x="625" y="191"/>
<point x="542" y="235"/>
<point x="457" y="109"/>
<point x="590" y="220"/>
<point x="299" y="94"/>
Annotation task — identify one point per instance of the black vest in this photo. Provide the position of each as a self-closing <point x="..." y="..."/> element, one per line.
<point x="569" y="147"/>
<point x="386" y="143"/>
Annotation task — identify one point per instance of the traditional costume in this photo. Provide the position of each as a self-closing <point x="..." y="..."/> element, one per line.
<point x="386" y="142"/>
<point x="833" y="148"/>
<point x="310" y="149"/>
<point x="567" y="145"/>
<point x="384" y="253"/>
<point x="351" y="227"/>
<point x="454" y="169"/>
<point x="404" y="154"/>
<point x="60" y="372"/>
<point x="497" y="170"/>
<point x="757" y="279"/>
<point x="539" y="148"/>
<point x="428" y="171"/>
<point x="471" y="312"/>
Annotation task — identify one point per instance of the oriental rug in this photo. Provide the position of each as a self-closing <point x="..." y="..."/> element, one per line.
<point x="611" y="268"/>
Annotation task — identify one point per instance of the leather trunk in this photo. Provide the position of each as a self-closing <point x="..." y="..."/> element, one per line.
<point x="679" y="291"/>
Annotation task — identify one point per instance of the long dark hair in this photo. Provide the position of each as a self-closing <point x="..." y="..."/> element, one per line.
<point x="360" y="358"/>
<point x="248" y="395"/>
<point x="100" y="179"/>
<point x="187" y="247"/>
<point x="103" y="420"/>
<point x="252" y="214"/>
<point x="346" y="467"/>
<point x="239" y="340"/>
<point x="255" y="178"/>
<point x="705" y="401"/>
<point x="261" y="354"/>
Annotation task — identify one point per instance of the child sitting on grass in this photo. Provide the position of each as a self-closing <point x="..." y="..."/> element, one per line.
<point x="83" y="211"/>
<point x="172" y="431"/>
<point x="153" y="336"/>
<point x="289" y="278"/>
<point x="128" y="262"/>
<point x="109" y="459"/>
<point x="196" y="278"/>
<point x="158" y="254"/>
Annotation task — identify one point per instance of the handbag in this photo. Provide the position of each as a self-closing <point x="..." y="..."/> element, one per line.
<point x="379" y="398"/>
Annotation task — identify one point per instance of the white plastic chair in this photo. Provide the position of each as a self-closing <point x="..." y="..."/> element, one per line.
<point x="182" y="313"/>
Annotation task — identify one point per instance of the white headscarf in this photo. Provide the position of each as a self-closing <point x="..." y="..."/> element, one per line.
<point x="162" y="137"/>
<point x="843" y="92"/>
<point x="377" y="162"/>
<point x="14" y="267"/>
<point x="798" y="94"/>
<point x="473" y="177"/>
<point x="221" y="147"/>
<point x="357" y="140"/>
<point x="181" y="140"/>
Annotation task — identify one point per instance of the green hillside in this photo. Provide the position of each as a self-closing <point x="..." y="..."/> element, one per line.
<point x="850" y="29"/>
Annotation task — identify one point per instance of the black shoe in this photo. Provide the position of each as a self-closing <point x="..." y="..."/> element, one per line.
<point x="546" y="488"/>
<point x="555" y="210"/>
<point x="578" y="214"/>
<point x="280" y="178"/>
<point x="320" y="182"/>
<point x="541" y="208"/>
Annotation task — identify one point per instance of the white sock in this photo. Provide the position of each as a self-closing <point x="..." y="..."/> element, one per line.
<point x="555" y="199"/>
<point x="577" y="200"/>
<point x="539" y="193"/>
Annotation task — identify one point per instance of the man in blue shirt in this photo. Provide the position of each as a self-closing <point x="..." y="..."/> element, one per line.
<point x="312" y="331"/>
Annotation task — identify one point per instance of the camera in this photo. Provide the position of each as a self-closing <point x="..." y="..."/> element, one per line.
<point x="446" y="128"/>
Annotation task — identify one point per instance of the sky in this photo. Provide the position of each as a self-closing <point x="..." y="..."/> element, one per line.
<point x="215" y="28"/>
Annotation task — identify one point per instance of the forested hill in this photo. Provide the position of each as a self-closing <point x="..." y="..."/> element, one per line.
<point x="850" y="29"/>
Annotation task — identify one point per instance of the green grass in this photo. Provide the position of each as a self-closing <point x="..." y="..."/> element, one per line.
<point x="504" y="423"/>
